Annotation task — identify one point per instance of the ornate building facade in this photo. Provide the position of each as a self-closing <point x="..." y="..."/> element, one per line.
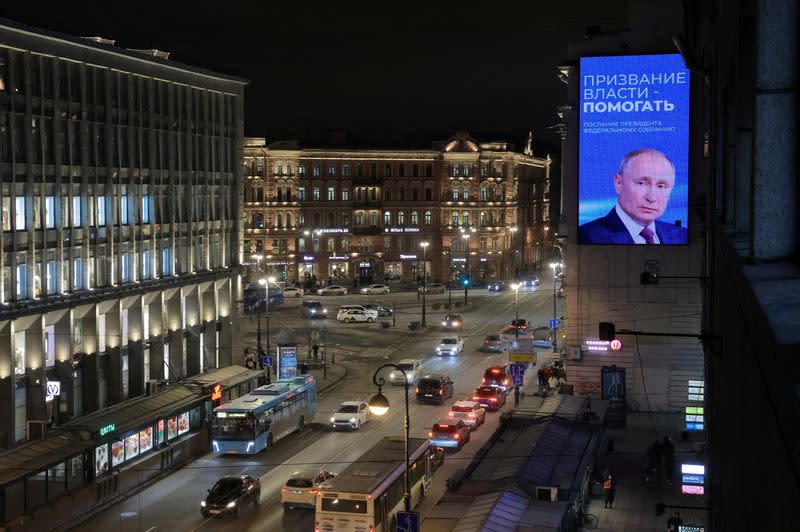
<point x="459" y="209"/>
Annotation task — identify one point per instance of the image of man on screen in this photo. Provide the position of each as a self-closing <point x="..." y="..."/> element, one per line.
<point x="643" y="184"/>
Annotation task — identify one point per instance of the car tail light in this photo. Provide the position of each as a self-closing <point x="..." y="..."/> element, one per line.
<point x="475" y="398"/>
<point x="493" y="399"/>
<point x="483" y="380"/>
<point x="430" y="434"/>
<point x="472" y="414"/>
<point x="417" y="389"/>
<point x="316" y="526"/>
<point x="505" y="382"/>
<point x="441" y="392"/>
<point x="451" y="414"/>
<point x="457" y="437"/>
<point x="312" y="492"/>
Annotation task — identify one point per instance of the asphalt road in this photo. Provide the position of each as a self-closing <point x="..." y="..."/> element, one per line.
<point x="174" y="502"/>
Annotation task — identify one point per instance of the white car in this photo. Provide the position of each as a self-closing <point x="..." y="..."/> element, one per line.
<point x="351" y="415"/>
<point x="470" y="412"/>
<point x="302" y="487"/>
<point x="375" y="289"/>
<point x="292" y="291"/>
<point x="349" y="316"/>
<point x="332" y="290"/>
<point x="450" y="345"/>
<point x="367" y="311"/>
<point x="412" y="368"/>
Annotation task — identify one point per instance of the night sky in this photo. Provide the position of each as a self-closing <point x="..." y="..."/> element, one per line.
<point x="389" y="75"/>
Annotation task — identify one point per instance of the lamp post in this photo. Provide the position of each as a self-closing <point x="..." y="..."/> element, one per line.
<point x="258" y="257"/>
<point x="265" y="283"/>
<point x="555" y="329"/>
<point x="424" y="276"/>
<point x="466" y="266"/>
<point x="379" y="405"/>
<point x="515" y="287"/>
<point x="511" y="246"/>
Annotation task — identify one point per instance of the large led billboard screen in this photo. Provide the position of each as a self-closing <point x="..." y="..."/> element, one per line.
<point x="633" y="173"/>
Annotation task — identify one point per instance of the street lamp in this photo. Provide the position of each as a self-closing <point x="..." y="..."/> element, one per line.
<point x="515" y="287"/>
<point x="379" y="405"/>
<point x="466" y="266"/>
<point x="258" y="257"/>
<point x="513" y="231"/>
<point x="265" y="283"/>
<point x="554" y="265"/>
<point x="424" y="276"/>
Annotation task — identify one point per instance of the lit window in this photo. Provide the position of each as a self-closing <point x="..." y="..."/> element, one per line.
<point x="455" y="192"/>
<point x="77" y="274"/>
<point x="315" y="194"/>
<point x="126" y="267"/>
<point x="455" y="218"/>
<point x="331" y="193"/>
<point x="50" y="212"/>
<point x="101" y="210"/>
<point x="76" y="211"/>
<point x="428" y="217"/>
<point x="414" y="218"/>
<point x="345" y="194"/>
<point x="145" y="209"/>
<point x="301" y="193"/>
<point x="123" y="209"/>
<point x="52" y="277"/>
<point x="19" y="214"/>
<point x="401" y="218"/>
<point x="22" y="281"/>
<point x="147" y="264"/>
<point x="387" y="218"/>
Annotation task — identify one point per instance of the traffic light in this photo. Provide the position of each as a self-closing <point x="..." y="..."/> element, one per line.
<point x="607" y="331"/>
<point x="660" y="509"/>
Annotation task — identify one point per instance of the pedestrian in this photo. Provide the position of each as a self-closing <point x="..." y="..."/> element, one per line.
<point x="516" y="395"/>
<point x="610" y="489"/>
<point x="657" y="451"/>
<point x="540" y="380"/>
<point x="674" y="522"/>
<point x="668" y="459"/>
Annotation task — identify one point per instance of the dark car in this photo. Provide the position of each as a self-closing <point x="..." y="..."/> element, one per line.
<point x="449" y="433"/>
<point x="314" y="309"/>
<point x="561" y="291"/>
<point x="496" y="286"/>
<point x="383" y="312"/>
<point x="434" y="388"/>
<point x="229" y="494"/>
<point x="491" y="397"/>
<point x="499" y="376"/>
<point x="531" y="281"/>
<point x="520" y="325"/>
<point x="493" y="342"/>
<point x="453" y="321"/>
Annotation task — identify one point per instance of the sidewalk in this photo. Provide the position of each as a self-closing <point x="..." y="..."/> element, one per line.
<point x="634" y="504"/>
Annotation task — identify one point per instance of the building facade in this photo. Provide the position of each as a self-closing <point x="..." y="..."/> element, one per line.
<point x="462" y="209"/>
<point x="120" y="187"/>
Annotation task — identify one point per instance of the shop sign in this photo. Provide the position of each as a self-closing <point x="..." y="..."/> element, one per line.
<point x="216" y="392"/>
<point x="365" y="264"/>
<point x="408" y="257"/>
<point x="459" y="259"/>
<point x="402" y="229"/>
<point x="596" y="345"/>
<point x="332" y="230"/>
<point x="693" y="479"/>
<point x="107" y="429"/>
<point x="308" y="258"/>
<point x="53" y="389"/>
<point x="483" y="259"/>
<point x="338" y="257"/>
<point x="697" y="390"/>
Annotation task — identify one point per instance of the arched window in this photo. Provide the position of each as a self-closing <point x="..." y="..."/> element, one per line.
<point x="279" y="221"/>
<point x="289" y="219"/>
<point x="502" y="192"/>
<point x="493" y="193"/>
<point x="414" y="218"/>
<point x="331" y="220"/>
<point x="465" y="192"/>
<point x="289" y="193"/>
<point x="360" y="219"/>
<point x="428" y="217"/>
<point x="401" y="218"/>
<point x="465" y="218"/>
<point x="483" y="218"/>
<point x="373" y="218"/>
<point x="259" y="220"/>
<point x="455" y="191"/>
<point x="387" y="218"/>
<point x="301" y="219"/>
<point x="483" y="193"/>
<point x="454" y="218"/>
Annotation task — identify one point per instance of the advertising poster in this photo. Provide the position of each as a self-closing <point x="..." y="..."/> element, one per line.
<point x="100" y="460"/>
<point x="160" y="431"/>
<point x="146" y="439"/>
<point x="172" y="428"/>
<point x="117" y="453"/>
<point x="132" y="446"/>
<point x="183" y="423"/>
<point x="287" y="362"/>
<point x="633" y="173"/>
<point x="612" y="384"/>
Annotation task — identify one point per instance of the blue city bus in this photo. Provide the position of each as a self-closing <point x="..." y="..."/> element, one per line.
<point x="254" y="292"/>
<point x="255" y="421"/>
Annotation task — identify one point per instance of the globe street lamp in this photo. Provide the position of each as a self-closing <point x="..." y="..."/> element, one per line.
<point x="265" y="283"/>
<point x="515" y="287"/>
<point x="379" y="405"/>
<point x="554" y="265"/>
<point x="466" y="266"/>
<point x="424" y="276"/>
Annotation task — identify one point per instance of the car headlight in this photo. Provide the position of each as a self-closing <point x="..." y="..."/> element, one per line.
<point x="231" y="504"/>
<point x="455" y="323"/>
<point x="203" y="504"/>
<point x="352" y="420"/>
<point x="313" y="311"/>
<point x="438" y="349"/>
<point x="333" y="419"/>
<point x="444" y="323"/>
<point x="324" y="311"/>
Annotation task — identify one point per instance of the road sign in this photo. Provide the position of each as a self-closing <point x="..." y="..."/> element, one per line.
<point x="554" y="324"/>
<point x="266" y="360"/>
<point x="407" y="522"/>
<point x="518" y="369"/>
<point x="517" y="380"/>
<point x="524" y="358"/>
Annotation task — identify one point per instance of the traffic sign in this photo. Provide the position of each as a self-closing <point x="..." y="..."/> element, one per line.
<point x="518" y="369"/>
<point x="554" y="324"/>
<point x="517" y="380"/>
<point x="266" y="360"/>
<point x="524" y="358"/>
<point x="407" y="522"/>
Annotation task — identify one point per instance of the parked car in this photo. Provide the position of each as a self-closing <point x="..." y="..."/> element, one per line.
<point x="434" y="388"/>
<point x="412" y="368"/>
<point x="492" y="397"/>
<point x="432" y="288"/>
<point x="229" y="494"/>
<point x="332" y="290"/>
<point x="383" y="312"/>
<point x="561" y="291"/>
<point x="349" y="316"/>
<point x="375" y="289"/>
<point x="470" y="412"/>
<point x="518" y="324"/>
<point x="499" y="376"/>
<point x="302" y="487"/>
<point x="313" y="309"/>
<point x="453" y="321"/>
<point x="350" y="414"/>
<point x="292" y="291"/>
<point x="496" y="286"/>
<point x="449" y="433"/>
<point x="345" y="308"/>
<point x="450" y="345"/>
<point x="493" y="342"/>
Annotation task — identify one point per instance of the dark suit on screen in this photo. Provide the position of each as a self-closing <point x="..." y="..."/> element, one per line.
<point x="610" y="230"/>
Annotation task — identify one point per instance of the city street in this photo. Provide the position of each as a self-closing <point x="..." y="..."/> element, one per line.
<point x="174" y="502"/>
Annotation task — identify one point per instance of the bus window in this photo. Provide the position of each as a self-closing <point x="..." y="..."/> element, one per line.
<point x="344" y="505"/>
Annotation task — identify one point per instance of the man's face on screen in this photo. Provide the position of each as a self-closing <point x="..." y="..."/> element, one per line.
<point x="644" y="186"/>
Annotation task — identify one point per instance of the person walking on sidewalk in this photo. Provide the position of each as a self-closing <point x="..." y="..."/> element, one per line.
<point x="610" y="489"/>
<point x="673" y="522"/>
<point x="668" y="459"/>
<point x="516" y="395"/>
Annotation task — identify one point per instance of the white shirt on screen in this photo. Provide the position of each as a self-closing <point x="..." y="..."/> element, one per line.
<point x="634" y="227"/>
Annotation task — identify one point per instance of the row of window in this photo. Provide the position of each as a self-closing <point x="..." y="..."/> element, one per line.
<point x="456" y="218"/>
<point x="458" y="192"/>
<point x="360" y="244"/>
<point x="496" y="168"/>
